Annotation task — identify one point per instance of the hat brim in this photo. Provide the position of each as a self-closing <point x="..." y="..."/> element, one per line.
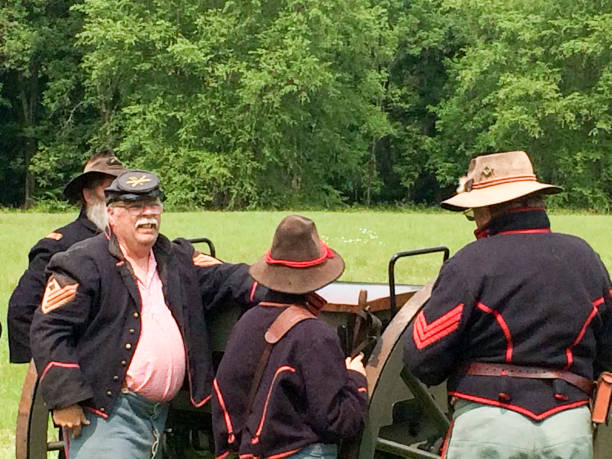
<point x="297" y="280"/>
<point x="496" y="195"/>
<point x="72" y="190"/>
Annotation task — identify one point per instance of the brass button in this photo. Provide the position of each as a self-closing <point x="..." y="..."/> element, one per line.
<point x="109" y="393"/>
<point x="136" y="315"/>
<point x="124" y="362"/>
<point x="115" y="378"/>
<point x="132" y="331"/>
<point x="128" y="346"/>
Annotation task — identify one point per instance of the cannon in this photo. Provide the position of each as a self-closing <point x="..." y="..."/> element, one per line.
<point x="405" y="418"/>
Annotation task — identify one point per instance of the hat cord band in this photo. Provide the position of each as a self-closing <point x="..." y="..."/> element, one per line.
<point x="327" y="253"/>
<point x="517" y="178"/>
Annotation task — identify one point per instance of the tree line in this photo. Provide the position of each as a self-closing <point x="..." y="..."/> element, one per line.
<point x="286" y="103"/>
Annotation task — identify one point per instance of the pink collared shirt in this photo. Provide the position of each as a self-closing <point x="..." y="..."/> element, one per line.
<point x="157" y="369"/>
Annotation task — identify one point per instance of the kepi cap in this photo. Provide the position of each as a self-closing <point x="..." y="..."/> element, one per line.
<point x="133" y="185"/>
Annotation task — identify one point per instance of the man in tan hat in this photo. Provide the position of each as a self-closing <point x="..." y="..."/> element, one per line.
<point x="519" y="323"/>
<point x="87" y="189"/>
<point x="290" y="392"/>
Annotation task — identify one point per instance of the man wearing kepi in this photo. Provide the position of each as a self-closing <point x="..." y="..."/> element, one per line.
<point x="122" y="321"/>
<point x="519" y="321"/>
<point x="291" y="392"/>
<point x="87" y="189"/>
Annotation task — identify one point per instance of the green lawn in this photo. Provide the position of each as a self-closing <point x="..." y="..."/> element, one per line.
<point x="365" y="239"/>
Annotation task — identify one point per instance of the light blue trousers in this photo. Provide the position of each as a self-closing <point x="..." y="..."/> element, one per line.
<point x="132" y="431"/>
<point x="317" y="451"/>
<point x="482" y="431"/>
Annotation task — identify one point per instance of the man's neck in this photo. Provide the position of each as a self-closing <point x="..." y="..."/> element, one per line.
<point x="139" y="262"/>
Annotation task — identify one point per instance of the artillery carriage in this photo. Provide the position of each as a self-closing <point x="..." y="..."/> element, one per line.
<point x="405" y="419"/>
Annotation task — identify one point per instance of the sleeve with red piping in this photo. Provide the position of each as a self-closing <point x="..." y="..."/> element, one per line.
<point x="432" y="343"/>
<point x="64" y="309"/>
<point x="226" y="439"/>
<point x="604" y="338"/>
<point x="336" y="397"/>
<point x="222" y="283"/>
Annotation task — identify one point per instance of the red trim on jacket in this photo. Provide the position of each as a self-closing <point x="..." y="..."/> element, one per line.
<point x="446" y="439"/>
<point x="519" y="409"/>
<point x="280" y="370"/>
<point x="66" y="436"/>
<point x="223" y="455"/>
<point x="425" y="334"/>
<point x="57" y="364"/>
<point x="502" y="324"/>
<point x="102" y="414"/>
<point x="527" y="231"/>
<point x="253" y="289"/>
<point x="273" y="456"/>
<point x="226" y="417"/>
<point x="568" y="352"/>
<point x="193" y="402"/>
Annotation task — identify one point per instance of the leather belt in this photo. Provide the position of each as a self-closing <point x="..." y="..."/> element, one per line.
<point x="519" y="371"/>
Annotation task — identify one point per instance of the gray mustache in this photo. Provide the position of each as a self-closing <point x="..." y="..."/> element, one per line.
<point x="146" y="221"/>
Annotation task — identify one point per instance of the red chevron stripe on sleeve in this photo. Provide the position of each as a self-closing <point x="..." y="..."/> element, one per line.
<point x="425" y="334"/>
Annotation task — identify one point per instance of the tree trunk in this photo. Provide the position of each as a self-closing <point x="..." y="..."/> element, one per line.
<point x="28" y="95"/>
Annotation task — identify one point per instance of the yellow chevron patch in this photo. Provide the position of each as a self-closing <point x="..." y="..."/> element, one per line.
<point x="56" y="296"/>
<point x="199" y="259"/>
<point x="54" y="236"/>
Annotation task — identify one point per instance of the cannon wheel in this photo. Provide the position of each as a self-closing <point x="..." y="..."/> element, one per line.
<point x="33" y="421"/>
<point x="402" y="413"/>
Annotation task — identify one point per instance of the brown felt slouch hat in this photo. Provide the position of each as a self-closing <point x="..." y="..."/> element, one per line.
<point x="298" y="261"/>
<point x="496" y="178"/>
<point x="103" y="163"/>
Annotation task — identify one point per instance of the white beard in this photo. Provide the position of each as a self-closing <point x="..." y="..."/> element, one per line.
<point x="96" y="213"/>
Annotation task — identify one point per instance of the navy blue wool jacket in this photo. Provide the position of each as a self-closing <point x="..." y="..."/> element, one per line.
<point x="28" y="293"/>
<point x="521" y="295"/>
<point x="306" y="394"/>
<point x="84" y="340"/>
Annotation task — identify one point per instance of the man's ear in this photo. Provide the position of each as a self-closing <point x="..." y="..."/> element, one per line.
<point x="111" y="214"/>
<point x="87" y="195"/>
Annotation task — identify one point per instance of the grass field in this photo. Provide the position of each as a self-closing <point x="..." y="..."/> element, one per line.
<point x="365" y="239"/>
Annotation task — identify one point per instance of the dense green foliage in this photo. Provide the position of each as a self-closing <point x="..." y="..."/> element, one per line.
<point x="305" y="102"/>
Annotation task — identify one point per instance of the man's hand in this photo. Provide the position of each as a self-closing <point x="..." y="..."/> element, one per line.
<point x="356" y="364"/>
<point x="70" y="417"/>
<point x="203" y="260"/>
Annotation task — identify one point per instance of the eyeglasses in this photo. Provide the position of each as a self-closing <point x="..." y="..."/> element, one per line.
<point x="138" y="207"/>
<point x="469" y="214"/>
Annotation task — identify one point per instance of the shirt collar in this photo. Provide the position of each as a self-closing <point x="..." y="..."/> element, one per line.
<point x="524" y="219"/>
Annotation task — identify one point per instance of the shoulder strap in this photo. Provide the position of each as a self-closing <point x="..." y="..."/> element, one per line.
<point x="285" y="321"/>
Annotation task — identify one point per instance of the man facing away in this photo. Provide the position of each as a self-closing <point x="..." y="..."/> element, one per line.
<point x="122" y="324"/>
<point x="290" y="393"/>
<point x="87" y="189"/>
<point x="519" y="322"/>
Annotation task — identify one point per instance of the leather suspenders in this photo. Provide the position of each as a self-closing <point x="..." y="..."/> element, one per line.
<point x="286" y="320"/>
